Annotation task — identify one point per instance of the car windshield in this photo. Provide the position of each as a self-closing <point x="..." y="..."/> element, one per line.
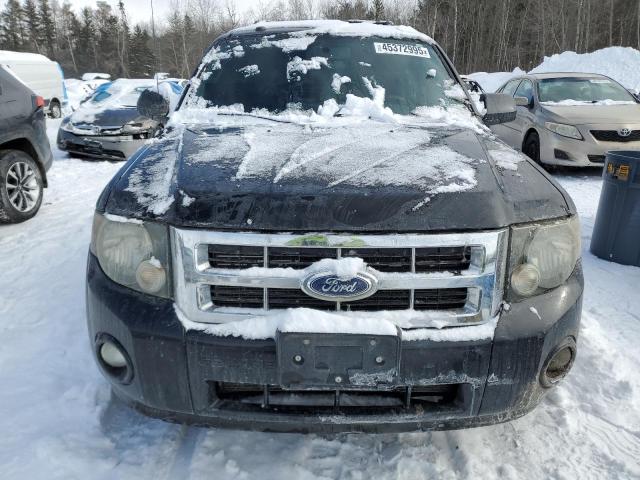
<point x="582" y="90"/>
<point x="124" y="94"/>
<point x="284" y="71"/>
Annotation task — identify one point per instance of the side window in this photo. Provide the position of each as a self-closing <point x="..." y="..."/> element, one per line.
<point x="525" y="90"/>
<point x="510" y="87"/>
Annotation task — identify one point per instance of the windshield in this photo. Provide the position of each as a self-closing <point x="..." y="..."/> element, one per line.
<point x="124" y="94"/>
<point x="283" y="71"/>
<point x="582" y="90"/>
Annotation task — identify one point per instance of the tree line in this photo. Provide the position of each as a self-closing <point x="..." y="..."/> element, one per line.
<point x="479" y="35"/>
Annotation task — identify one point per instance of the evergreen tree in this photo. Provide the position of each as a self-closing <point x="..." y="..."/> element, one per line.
<point x="86" y="35"/>
<point x="32" y="26"/>
<point x="378" y="10"/>
<point x="47" y="27"/>
<point x="141" y="58"/>
<point x="69" y="34"/>
<point x="11" y="35"/>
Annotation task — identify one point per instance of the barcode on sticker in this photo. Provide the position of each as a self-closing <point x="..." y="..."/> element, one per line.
<point x="401" y="49"/>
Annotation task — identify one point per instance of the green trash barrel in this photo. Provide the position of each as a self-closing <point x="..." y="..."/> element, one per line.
<point x="616" y="233"/>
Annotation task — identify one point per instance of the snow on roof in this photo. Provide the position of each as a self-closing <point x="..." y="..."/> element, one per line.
<point x="22" y="57"/>
<point x="94" y="75"/>
<point x="336" y="27"/>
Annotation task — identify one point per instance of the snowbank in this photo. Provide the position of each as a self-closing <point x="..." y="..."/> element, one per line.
<point x="492" y="81"/>
<point x="620" y="63"/>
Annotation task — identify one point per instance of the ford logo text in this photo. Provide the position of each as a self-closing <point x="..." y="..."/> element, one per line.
<point x="328" y="286"/>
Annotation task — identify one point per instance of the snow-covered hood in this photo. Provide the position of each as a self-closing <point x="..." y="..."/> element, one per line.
<point x="595" y="114"/>
<point x="288" y="177"/>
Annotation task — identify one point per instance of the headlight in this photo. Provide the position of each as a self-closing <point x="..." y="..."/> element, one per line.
<point x="543" y="256"/>
<point x="564" y="130"/>
<point x="136" y="127"/>
<point x="133" y="253"/>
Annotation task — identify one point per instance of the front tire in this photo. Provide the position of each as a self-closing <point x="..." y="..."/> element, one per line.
<point x="21" y="187"/>
<point x="531" y="147"/>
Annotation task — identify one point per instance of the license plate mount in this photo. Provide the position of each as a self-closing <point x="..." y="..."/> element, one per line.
<point x="329" y="360"/>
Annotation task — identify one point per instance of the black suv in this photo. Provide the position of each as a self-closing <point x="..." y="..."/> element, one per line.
<point x="327" y="237"/>
<point x="25" y="154"/>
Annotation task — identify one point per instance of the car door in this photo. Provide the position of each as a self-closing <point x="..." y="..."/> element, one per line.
<point x="525" y="116"/>
<point x="9" y="105"/>
<point x="505" y="131"/>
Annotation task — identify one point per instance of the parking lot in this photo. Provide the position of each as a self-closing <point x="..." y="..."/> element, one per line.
<point x="59" y="420"/>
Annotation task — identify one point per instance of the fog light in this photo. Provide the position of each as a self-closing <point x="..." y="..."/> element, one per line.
<point x="525" y="279"/>
<point x="558" y="364"/>
<point x="151" y="276"/>
<point x="112" y="356"/>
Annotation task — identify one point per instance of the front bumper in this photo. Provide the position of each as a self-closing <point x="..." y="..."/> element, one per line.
<point x="579" y="153"/>
<point x="175" y="369"/>
<point x="113" y="147"/>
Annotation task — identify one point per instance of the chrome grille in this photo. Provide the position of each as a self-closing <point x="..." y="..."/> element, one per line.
<point x="282" y="298"/>
<point x="454" y="279"/>
<point x="437" y="259"/>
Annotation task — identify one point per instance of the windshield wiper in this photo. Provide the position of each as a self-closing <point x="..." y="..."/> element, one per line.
<point x="249" y="114"/>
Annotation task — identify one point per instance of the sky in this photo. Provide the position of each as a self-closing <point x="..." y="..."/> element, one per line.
<point x="140" y="10"/>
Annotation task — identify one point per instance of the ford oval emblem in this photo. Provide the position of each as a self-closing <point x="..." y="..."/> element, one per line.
<point x="329" y="286"/>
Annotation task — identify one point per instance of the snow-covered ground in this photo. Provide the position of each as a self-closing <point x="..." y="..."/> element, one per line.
<point x="57" y="420"/>
<point x="620" y="63"/>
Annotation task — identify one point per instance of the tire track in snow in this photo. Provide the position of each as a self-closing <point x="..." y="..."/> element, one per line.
<point x="185" y="447"/>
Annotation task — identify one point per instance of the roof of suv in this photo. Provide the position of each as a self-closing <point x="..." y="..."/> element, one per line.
<point x="352" y="28"/>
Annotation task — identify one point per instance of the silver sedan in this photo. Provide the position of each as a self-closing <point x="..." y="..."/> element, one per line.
<point x="570" y="119"/>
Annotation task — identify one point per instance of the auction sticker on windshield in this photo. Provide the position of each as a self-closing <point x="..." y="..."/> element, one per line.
<point x="401" y="49"/>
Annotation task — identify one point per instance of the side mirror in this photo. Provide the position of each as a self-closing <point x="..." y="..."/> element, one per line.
<point x="153" y="105"/>
<point x="500" y="108"/>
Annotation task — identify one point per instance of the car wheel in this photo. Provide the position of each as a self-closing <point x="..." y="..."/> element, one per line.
<point x="21" y="187"/>
<point x="54" y="110"/>
<point x="532" y="147"/>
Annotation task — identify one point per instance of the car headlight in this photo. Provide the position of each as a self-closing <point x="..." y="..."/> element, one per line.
<point x="564" y="130"/>
<point x="543" y="256"/>
<point x="136" y="127"/>
<point x="68" y="126"/>
<point x="133" y="253"/>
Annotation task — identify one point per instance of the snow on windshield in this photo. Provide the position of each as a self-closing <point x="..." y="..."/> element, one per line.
<point x="578" y="103"/>
<point x="123" y="93"/>
<point x="281" y="75"/>
<point x="119" y="94"/>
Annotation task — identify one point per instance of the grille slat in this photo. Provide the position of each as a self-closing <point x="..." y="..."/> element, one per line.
<point x="596" y="158"/>
<point x="433" y="259"/>
<point x="383" y="259"/>
<point x="442" y="259"/>
<point x="235" y="256"/>
<point x="441" y="299"/>
<point x="614" y="136"/>
<point x="299" y="258"/>
<point x="237" y="297"/>
<point x="283" y="298"/>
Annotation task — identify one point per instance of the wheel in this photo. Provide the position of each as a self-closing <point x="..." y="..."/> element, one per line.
<point x="55" y="111"/>
<point x="20" y="187"/>
<point x="531" y="147"/>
